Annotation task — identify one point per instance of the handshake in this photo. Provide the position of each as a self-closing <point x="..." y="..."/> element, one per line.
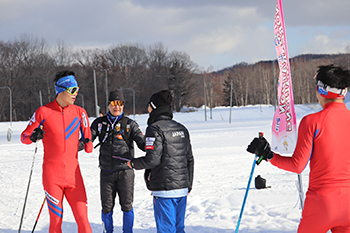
<point x="261" y="147"/>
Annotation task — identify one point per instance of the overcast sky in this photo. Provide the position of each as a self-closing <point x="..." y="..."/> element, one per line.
<point x="217" y="33"/>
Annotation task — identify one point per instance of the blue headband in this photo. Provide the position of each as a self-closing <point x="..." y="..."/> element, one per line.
<point x="64" y="83"/>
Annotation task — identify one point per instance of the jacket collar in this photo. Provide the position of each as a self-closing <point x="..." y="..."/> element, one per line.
<point x="334" y="105"/>
<point x="160" y="113"/>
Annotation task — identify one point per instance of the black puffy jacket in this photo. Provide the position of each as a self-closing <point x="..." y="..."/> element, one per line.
<point x="112" y="142"/>
<point x="168" y="161"/>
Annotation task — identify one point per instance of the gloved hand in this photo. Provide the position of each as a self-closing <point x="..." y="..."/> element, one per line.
<point x="261" y="147"/>
<point x="82" y="143"/>
<point x="37" y="134"/>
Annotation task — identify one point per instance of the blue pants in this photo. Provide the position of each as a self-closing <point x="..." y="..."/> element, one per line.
<point x="169" y="214"/>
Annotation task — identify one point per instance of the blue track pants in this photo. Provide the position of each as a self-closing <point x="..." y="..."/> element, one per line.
<point x="169" y="214"/>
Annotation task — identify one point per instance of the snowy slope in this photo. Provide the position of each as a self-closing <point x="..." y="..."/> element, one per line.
<point x="222" y="168"/>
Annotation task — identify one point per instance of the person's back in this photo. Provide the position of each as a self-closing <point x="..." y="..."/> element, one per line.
<point x="330" y="159"/>
<point x="169" y="164"/>
<point x="172" y="172"/>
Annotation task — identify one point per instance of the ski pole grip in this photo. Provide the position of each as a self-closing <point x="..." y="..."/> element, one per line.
<point x="258" y="161"/>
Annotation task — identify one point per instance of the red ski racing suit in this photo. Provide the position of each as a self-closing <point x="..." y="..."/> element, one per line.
<point x="61" y="173"/>
<point x="323" y="139"/>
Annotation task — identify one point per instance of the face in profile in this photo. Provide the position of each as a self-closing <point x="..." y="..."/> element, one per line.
<point x="66" y="98"/>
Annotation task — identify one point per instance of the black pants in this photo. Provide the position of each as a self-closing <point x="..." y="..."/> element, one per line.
<point x="113" y="183"/>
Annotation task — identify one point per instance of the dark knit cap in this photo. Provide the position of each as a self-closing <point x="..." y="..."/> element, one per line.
<point x="159" y="99"/>
<point x="116" y="95"/>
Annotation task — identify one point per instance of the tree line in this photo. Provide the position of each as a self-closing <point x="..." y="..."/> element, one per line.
<point x="254" y="84"/>
<point x="28" y="66"/>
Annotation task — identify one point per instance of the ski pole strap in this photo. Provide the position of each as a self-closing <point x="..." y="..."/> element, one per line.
<point x="259" y="159"/>
<point x="104" y="140"/>
<point x="97" y="145"/>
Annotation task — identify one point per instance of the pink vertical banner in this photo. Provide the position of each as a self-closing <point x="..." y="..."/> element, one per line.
<point x="284" y="126"/>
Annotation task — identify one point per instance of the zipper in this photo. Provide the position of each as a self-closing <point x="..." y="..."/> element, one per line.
<point x="64" y="132"/>
<point x="64" y="143"/>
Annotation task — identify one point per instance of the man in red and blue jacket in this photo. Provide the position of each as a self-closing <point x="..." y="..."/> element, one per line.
<point x="59" y="124"/>
<point x="323" y="139"/>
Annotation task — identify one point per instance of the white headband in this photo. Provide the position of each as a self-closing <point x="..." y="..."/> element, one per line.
<point x="330" y="92"/>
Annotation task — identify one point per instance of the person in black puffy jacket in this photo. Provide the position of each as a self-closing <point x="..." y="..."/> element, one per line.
<point x="168" y="163"/>
<point x="116" y="134"/>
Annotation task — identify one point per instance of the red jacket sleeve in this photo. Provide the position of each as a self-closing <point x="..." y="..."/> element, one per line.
<point x="303" y="149"/>
<point x="86" y="132"/>
<point x="34" y="122"/>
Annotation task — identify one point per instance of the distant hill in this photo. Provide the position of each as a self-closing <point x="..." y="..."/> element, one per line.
<point x="305" y="57"/>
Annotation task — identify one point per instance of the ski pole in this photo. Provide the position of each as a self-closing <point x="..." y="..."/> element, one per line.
<point x="30" y="176"/>
<point x="300" y="190"/>
<point x="120" y="158"/>
<point x="37" y="219"/>
<point x="247" y="189"/>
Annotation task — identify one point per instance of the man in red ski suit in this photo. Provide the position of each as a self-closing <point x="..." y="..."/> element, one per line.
<point x="323" y="139"/>
<point x="58" y="124"/>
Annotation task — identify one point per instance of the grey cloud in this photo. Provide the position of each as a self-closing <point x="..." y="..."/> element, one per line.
<point x="213" y="32"/>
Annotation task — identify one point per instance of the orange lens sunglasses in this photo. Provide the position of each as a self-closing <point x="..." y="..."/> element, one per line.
<point x="117" y="103"/>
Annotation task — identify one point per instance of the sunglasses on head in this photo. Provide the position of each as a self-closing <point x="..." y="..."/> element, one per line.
<point x="117" y="103"/>
<point x="70" y="90"/>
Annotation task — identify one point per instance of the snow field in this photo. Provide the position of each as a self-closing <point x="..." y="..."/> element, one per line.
<point x="222" y="169"/>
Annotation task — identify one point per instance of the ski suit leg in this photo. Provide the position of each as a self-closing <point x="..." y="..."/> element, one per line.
<point x="76" y="197"/>
<point x="125" y="187"/>
<point x="108" y="193"/>
<point x="329" y="209"/>
<point x="54" y="198"/>
<point x="54" y="192"/>
<point x="121" y="182"/>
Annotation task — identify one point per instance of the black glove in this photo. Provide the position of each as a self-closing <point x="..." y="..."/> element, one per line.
<point x="261" y="148"/>
<point x="38" y="133"/>
<point x="82" y="143"/>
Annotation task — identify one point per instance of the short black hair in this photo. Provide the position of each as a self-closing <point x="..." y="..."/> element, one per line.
<point x="333" y="76"/>
<point x="61" y="74"/>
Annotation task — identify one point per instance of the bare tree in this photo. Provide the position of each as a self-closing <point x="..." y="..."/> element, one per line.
<point x="180" y="79"/>
<point x="158" y="67"/>
<point x="63" y="55"/>
<point x="129" y="65"/>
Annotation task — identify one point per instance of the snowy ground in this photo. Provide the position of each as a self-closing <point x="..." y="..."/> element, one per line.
<point x="222" y="168"/>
